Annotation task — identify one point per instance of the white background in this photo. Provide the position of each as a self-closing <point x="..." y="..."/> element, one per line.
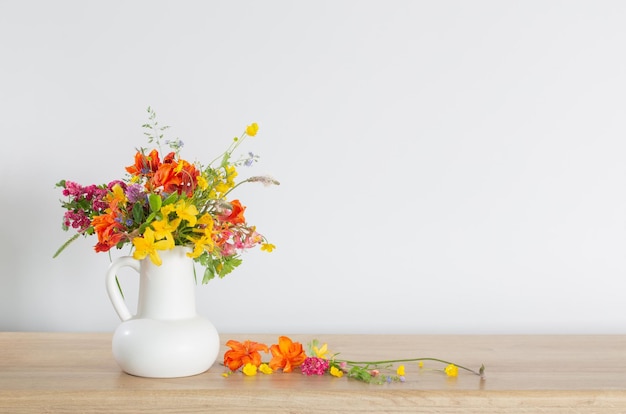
<point x="445" y="166"/>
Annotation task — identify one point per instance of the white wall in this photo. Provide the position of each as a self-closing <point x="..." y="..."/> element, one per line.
<point x="446" y="166"/>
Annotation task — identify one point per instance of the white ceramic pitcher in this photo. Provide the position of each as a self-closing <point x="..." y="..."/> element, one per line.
<point x="166" y="338"/>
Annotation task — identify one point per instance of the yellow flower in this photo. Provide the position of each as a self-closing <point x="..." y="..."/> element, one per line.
<point x="117" y="193"/>
<point x="321" y="352"/>
<point x="179" y="166"/>
<point x="264" y="368"/>
<point x="231" y="174"/>
<point x="205" y="242"/>
<point x="147" y="246"/>
<point x="200" y="245"/>
<point x="206" y="220"/>
<point x="400" y="370"/>
<point x="186" y="211"/>
<point x="167" y="209"/>
<point x="249" y="369"/>
<point x="267" y="247"/>
<point x="421" y="364"/>
<point x="336" y="372"/>
<point x="202" y="182"/>
<point x="252" y="129"/>
<point x="163" y="228"/>
<point x="452" y="370"/>
<point x="222" y="188"/>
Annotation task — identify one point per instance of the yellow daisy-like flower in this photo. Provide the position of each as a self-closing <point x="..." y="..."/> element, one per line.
<point x="267" y="247"/>
<point x="252" y="129"/>
<point x="249" y="369"/>
<point x="400" y="370"/>
<point x="451" y="370"/>
<point x="336" y="372"/>
<point x="264" y="368"/>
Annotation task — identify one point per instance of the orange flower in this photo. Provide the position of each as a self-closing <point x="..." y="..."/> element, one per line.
<point x="235" y="216"/>
<point x="243" y="353"/>
<point x="176" y="176"/>
<point x="108" y="229"/>
<point x="287" y="354"/>
<point x="145" y="165"/>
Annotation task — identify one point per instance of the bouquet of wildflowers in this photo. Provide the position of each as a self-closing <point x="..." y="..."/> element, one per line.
<point x="166" y="201"/>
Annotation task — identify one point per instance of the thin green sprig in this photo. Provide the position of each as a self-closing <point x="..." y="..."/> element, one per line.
<point x="369" y="364"/>
<point x="64" y="245"/>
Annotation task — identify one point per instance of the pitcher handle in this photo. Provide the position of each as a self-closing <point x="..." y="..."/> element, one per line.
<point x="112" y="288"/>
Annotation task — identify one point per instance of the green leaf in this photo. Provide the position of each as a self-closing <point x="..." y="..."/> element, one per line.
<point x="151" y="217"/>
<point x="228" y="265"/>
<point x="155" y="202"/>
<point x="138" y="212"/>
<point x="225" y="159"/>
<point x="360" y="373"/>
<point x="171" y="199"/>
<point x="209" y="274"/>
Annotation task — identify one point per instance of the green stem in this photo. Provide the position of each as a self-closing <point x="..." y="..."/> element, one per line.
<point x="235" y="186"/>
<point x="394" y="361"/>
<point x="233" y="146"/>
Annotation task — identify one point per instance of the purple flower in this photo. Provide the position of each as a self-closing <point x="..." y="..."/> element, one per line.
<point x="134" y="193"/>
<point x="314" y="366"/>
<point x="248" y="162"/>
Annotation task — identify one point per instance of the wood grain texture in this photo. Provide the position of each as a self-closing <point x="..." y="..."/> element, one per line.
<point x="70" y="372"/>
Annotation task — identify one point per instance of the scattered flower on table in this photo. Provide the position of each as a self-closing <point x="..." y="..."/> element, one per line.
<point x="243" y="353"/>
<point x="249" y="369"/>
<point x="452" y="370"/>
<point x="288" y="356"/>
<point x="165" y="201"/>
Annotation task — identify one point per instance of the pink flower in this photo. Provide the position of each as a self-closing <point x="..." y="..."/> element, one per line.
<point x="314" y="366"/>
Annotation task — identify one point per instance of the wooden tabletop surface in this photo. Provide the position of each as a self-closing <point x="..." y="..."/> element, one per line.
<point x="75" y="372"/>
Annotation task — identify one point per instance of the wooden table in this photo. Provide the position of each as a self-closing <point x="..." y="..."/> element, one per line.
<point x="74" y="372"/>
